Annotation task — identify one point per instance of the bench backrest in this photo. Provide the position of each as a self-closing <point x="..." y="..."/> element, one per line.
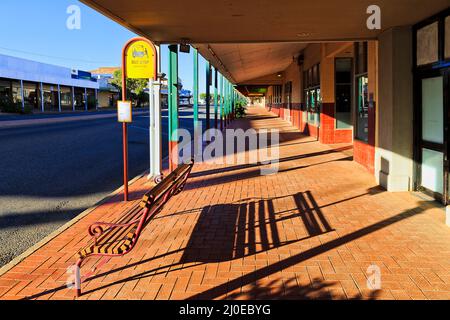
<point x="155" y="199"/>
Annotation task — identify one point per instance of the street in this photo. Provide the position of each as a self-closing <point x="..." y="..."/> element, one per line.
<point x="53" y="172"/>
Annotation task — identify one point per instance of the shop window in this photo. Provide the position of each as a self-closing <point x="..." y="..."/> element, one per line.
<point x="362" y="92"/>
<point x="50" y="93"/>
<point x="312" y="95"/>
<point x="428" y="44"/>
<point x="91" y="100"/>
<point x="362" y="116"/>
<point x="66" y="98"/>
<point x="31" y="94"/>
<point x="343" y="69"/>
<point x="79" y="99"/>
<point x="433" y="109"/>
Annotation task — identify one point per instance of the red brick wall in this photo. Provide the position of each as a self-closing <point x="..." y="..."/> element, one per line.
<point x="328" y="133"/>
<point x="364" y="154"/>
<point x="313" y="131"/>
<point x="327" y="124"/>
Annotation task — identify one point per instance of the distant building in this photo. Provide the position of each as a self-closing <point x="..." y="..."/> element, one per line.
<point x="108" y="94"/>
<point x="184" y="96"/>
<point x="41" y="87"/>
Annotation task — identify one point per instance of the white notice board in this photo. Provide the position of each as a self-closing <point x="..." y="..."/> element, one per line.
<point x="124" y="111"/>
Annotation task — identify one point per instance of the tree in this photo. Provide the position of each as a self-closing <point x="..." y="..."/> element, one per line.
<point x="135" y="87"/>
<point x="211" y="97"/>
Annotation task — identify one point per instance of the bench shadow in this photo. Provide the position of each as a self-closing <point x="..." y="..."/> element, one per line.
<point x="227" y="232"/>
<point x="291" y="289"/>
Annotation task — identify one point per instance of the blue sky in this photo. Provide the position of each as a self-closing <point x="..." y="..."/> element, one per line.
<point x="36" y="30"/>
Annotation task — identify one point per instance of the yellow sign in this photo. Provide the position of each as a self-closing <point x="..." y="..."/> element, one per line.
<point x="124" y="113"/>
<point x="140" y="60"/>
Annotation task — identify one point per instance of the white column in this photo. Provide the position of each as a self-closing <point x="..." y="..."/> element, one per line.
<point x="151" y="130"/>
<point x="73" y="98"/>
<point x="158" y="134"/>
<point x="42" y="97"/>
<point x="59" y="98"/>
<point x="22" y="94"/>
<point x="155" y="125"/>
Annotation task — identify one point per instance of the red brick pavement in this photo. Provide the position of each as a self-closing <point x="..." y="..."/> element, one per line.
<point x="310" y="231"/>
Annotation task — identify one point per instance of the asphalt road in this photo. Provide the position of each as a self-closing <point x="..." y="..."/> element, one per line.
<point x="51" y="173"/>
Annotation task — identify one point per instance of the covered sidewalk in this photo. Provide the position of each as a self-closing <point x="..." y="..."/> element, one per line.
<point x="310" y="231"/>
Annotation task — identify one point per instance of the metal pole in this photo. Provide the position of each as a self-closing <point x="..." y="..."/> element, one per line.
<point x="221" y="102"/>
<point x="173" y="106"/>
<point x="157" y="120"/>
<point x="73" y="98"/>
<point x="157" y="116"/>
<point x="151" y="115"/>
<point x="197" y="128"/>
<point x="208" y="98"/>
<point x="228" y="102"/>
<point x="22" y="94"/>
<point x="42" y="97"/>
<point x="85" y="100"/>
<point x="215" y="98"/>
<point x="125" y="137"/>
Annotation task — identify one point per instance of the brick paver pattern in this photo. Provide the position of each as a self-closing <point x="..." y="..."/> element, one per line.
<point x="311" y="231"/>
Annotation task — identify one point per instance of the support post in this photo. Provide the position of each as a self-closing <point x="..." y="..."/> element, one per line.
<point x="155" y="125"/>
<point x="197" y="127"/>
<point x="59" y="98"/>
<point x="173" y="106"/>
<point x="42" y="97"/>
<point x="85" y="100"/>
<point x="208" y="97"/>
<point x="73" y="98"/>
<point x="228" y="103"/>
<point x="215" y="98"/>
<point x="22" y="94"/>
<point x="125" y="140"/>
<point x="157" y="116"/>
<point x="221" y="102"/>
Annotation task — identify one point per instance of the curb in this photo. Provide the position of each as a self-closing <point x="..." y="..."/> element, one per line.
<point x="63" y="228"/>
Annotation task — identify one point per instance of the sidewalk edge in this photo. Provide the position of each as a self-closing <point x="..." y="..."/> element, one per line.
<point x="63" y="228"/>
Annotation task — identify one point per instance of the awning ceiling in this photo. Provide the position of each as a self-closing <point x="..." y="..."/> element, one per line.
<point x="255" y="38"/>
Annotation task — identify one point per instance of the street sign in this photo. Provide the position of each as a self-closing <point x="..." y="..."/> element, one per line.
<point x="140" y="60"/>
<point x="124" y="113"/>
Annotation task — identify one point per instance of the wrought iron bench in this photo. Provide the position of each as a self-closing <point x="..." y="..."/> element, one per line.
<point x="120" y="237"/>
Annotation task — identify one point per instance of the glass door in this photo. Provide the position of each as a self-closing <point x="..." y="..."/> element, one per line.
<point x="432" y="175"/>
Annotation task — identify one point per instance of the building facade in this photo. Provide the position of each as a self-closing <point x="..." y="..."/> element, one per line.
<point x="38" y="87"/>
<point x="389" y="97"/>
<point x="108" y="95"/>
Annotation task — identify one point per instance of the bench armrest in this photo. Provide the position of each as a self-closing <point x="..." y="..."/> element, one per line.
<point x="96" y="230"/>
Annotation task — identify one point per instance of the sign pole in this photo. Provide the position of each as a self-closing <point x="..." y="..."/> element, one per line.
<point x="125" y="134"/>
<point x="139" y="61"/>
